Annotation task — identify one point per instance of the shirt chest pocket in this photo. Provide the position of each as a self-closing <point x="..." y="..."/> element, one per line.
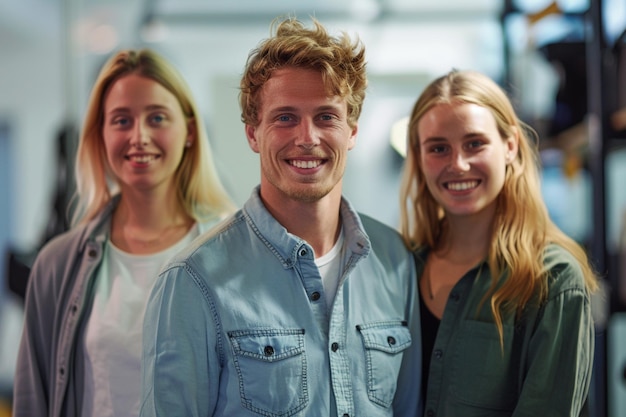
<point x="384" y="343"/>
<point x="271" y="367"/>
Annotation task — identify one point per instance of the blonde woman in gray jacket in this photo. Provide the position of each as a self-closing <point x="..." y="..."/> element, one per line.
<point x="146" y="188"/>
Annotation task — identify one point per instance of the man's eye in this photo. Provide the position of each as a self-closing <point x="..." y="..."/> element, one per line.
<point x="284" y="118"/>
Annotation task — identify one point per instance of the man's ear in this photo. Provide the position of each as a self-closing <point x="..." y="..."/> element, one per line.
<point x="352" y="140"/>
<point x="251" y="136"/>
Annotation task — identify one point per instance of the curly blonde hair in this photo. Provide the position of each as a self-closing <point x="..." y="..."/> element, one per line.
<point x="340" y="61"/>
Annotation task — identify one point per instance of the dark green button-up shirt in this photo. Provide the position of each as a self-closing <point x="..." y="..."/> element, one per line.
<point x="545" y="367"/>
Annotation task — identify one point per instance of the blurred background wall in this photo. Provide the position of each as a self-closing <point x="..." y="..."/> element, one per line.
<point x="563" y="63"/>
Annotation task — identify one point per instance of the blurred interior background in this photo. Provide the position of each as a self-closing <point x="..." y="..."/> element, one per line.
<point x="562" y="62"/>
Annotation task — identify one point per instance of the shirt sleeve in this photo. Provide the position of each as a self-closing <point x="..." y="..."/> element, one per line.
<point x="32" y="373"/>
<point x="179" y="359"/>
<point x="560" y="355"/>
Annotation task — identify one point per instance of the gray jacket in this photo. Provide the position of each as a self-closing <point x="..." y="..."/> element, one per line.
<point x="48" y="379"/>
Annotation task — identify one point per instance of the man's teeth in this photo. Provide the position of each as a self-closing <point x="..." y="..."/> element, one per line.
<point x="461" y="186"/>
<point x="306" y="164"/>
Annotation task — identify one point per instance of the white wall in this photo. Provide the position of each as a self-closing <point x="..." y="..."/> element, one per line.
<point x="31" y="100"/>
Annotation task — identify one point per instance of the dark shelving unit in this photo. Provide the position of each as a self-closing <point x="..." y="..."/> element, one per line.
<point x="605" y="67"/>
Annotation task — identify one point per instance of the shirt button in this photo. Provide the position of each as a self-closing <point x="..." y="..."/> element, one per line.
<point x="302" y="252"/>
<point x="92" y="253"/>
<point x="438" y="354"/>
<point x="268" y="351"/>
<point x="430" y="413"/>
<point x="455" y="296"/>
<point x="346" y="415"/>
<point x="315" y="296"/>
<point x="334" y="347"/>
<point x="391" y="340"/>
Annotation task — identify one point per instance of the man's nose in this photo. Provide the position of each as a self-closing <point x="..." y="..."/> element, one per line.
<point x="308" y="135"/>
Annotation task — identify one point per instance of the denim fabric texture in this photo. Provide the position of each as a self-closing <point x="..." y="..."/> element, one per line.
<point x="238" y="325"/>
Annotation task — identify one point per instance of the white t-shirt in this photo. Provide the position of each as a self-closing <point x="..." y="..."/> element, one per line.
<point x="112" y="343"/>
<point x="329" y="266"/>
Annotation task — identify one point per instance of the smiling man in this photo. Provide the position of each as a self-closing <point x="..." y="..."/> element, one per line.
<point x="297" y="305"/>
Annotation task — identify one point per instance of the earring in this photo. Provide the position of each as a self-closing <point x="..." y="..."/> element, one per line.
<point x="188" y="144"/>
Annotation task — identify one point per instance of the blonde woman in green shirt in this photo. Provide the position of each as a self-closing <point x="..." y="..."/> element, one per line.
<point x="506" y="318"/>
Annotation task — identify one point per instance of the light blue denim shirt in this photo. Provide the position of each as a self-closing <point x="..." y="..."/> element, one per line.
<point x="237" y="325"/>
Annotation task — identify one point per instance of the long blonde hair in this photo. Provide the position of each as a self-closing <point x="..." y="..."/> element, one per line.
<point x="522" y="227"/>
<point x="198" y="186"/>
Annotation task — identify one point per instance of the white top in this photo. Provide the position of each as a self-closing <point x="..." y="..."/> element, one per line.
<point x="112" y="341"/>
<point x="329" y="266"/>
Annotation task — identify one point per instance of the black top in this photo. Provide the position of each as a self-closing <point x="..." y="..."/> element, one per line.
<point x="430" y="326"/>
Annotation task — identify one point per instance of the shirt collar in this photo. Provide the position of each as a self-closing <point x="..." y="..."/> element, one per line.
<point x="285" y="245"/>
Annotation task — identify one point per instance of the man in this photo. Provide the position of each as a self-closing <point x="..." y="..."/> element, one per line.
<point x="297" y="305"/>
